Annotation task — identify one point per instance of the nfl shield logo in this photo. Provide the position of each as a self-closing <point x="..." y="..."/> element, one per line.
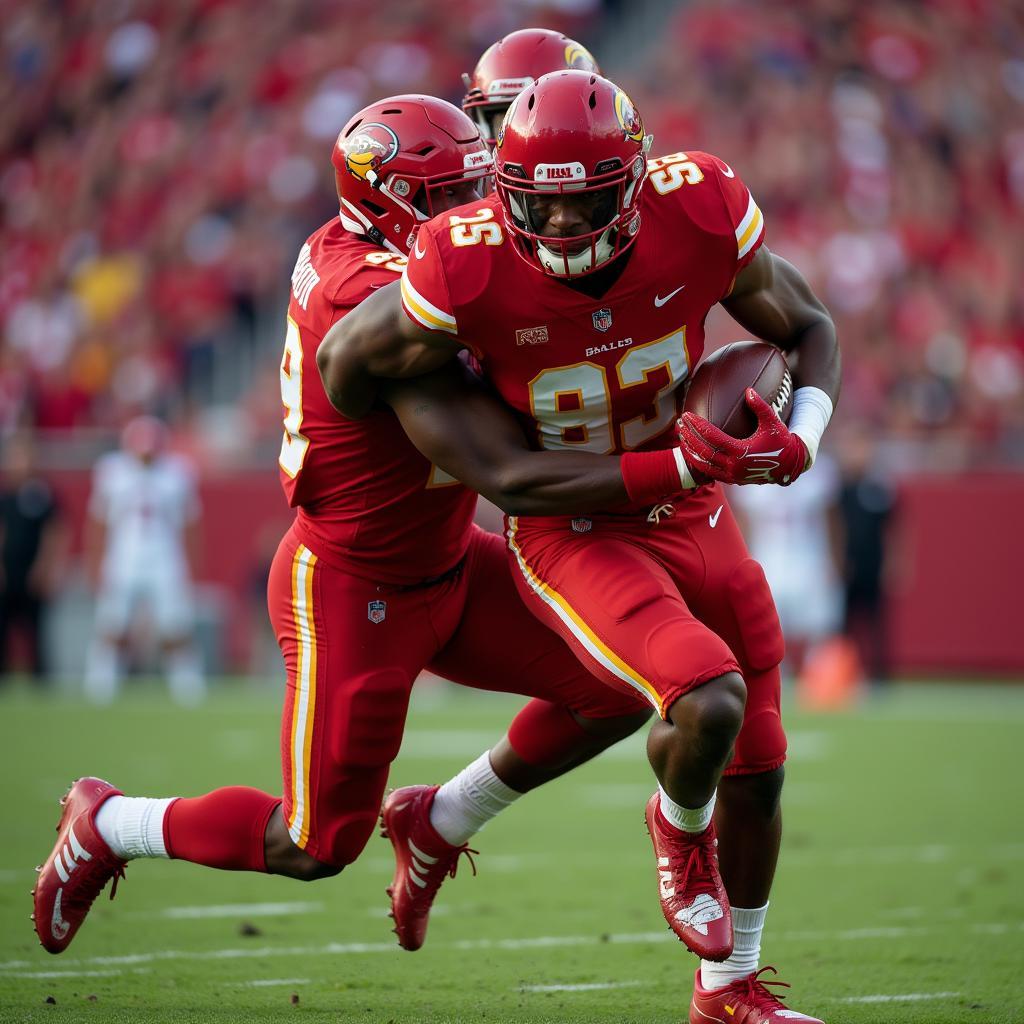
<point x="581" y="525"/>
<point x="602" y="319"/>
<point x="376" y="610"/>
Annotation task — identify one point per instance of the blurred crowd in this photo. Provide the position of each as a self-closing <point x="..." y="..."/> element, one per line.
<point x="160" y="164"/>
<point x="885" y="143"/>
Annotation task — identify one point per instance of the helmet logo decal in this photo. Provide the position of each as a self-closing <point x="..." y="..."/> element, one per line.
<point x="559" y="172"/>
<point x="478" y="160"/>
<point x="578" y="57"/>
<point x="505" y="85"/>
<point x="628" y="118"/>
<point x="372" y="146"/>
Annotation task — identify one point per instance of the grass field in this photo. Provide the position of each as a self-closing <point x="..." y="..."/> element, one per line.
<point x="899" y="895"/>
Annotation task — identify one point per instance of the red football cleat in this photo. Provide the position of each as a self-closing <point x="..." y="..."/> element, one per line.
<point x="693" y="897"/>
<point x="79" y="867"/>
<point x="746" y="1001"/>
<point x="422" y="860"/>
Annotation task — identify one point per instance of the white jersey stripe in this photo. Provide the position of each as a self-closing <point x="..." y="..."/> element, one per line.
<point x="304" y="631"/>
<point x="425" y="312"/>
<point x="749" y="229"/>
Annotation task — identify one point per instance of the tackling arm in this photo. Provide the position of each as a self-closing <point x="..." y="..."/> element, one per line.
<point x="376" y="340"/>
<point x="457" y="423"/>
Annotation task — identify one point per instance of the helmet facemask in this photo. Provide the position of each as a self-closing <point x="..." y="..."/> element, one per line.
<point x="607" y="198"/>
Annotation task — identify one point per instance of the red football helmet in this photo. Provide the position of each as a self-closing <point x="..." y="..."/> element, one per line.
<point x="572" y="132"/>
<point x="511" y="64"/>
<point x="393" y="161"/>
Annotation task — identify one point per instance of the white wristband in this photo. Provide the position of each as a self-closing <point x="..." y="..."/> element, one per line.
<point x="812" y="409"/>
<point x="685" y="476"/>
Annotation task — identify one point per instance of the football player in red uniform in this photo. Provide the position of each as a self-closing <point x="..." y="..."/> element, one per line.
<point x="382" y="574"/>
<point x="511" y="64"/>
<point x="581" y="288"/>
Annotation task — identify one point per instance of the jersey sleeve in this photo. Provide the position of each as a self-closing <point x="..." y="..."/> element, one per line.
<point x="743" y="213"/>
<point x="426" y="298"/>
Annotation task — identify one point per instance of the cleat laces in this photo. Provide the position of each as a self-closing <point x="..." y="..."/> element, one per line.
<point x="84" y="899"/>
<point x="694" y="859"/>
<point x="445" y="868"/>
<point x="755" y="991"/>
<point x="453" y="864"/>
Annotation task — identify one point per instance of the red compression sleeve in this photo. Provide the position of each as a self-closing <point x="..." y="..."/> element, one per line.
<point x="223" y="829"/>
<point x="650" y="476"/>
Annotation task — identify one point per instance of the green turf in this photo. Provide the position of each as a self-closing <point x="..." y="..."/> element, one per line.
<point x="900" y="876"/>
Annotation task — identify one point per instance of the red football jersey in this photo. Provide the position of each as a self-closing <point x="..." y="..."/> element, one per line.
<point x="365" y="495"/>
<point x="602" y="375"/>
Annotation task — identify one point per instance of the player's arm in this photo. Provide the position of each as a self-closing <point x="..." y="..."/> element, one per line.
<point x="457" y="423"/>
<point x="773" y="300"/>
<point x="374" y="341"/>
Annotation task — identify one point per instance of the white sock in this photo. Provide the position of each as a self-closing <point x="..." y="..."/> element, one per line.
<point x="465" y="804"/>
<point x="747" y="926"/>
<point x="687" y="819"/>
<point x="133" y="826"/>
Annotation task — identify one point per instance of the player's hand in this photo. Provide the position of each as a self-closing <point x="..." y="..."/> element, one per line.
<point x="771" y="455"/>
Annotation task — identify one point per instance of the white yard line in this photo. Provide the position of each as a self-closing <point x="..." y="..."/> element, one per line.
<point x="595" y="986"/>
<point x="64" y="974"/>
<point x="241" y="910"/>
<point x="906" y="997"/>
<point x="535" y="942"/>
<point x="268" y="982"/>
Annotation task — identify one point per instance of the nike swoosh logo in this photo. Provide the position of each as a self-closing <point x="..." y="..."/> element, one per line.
<point x="58" y="926"/>
<point x="659" y="301"/>
<point x="420" y="253"/>
<point x="728" y="171"/>
<point x="713" y="519"/>
<point x="762" y="455"/>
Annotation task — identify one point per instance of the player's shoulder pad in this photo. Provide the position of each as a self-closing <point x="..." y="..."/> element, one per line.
<point x="709" y="191"/>
<point x="338" y="269"/>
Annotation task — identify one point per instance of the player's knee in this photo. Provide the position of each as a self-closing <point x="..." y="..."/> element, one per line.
<point x="285" y="858"/>
<point x="712" y="713"/>
<point x="304" y="868"/>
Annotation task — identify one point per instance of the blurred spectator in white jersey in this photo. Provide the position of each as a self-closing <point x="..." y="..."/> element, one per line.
<point x="33" y="543"/>
<point x="141" y="538"/>
<point x="793" y="532"/>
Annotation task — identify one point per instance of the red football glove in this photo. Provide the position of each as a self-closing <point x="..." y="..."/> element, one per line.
<point x="771" y="455"/>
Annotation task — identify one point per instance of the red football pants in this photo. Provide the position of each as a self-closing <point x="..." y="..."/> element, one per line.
<point x="660" y="607"/>
<point x="352" y="650"/>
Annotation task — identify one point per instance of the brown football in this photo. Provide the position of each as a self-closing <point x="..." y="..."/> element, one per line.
<point x="717" y="388"/>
